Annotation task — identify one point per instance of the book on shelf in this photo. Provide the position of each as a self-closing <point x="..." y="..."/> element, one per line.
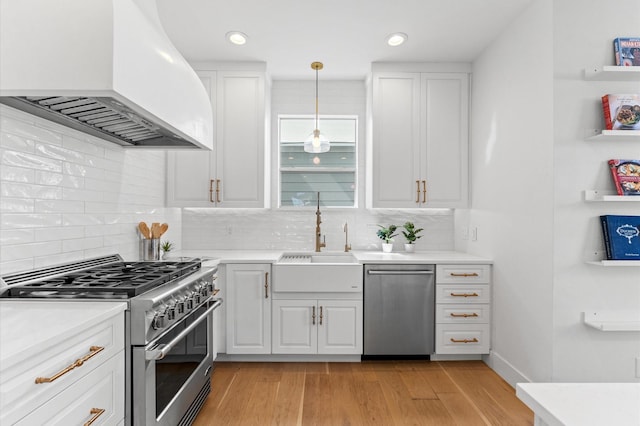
<point x="621" y="112"/>
<point x="626" y="176"/>
<point x="627" y="51"/>
<point x="621" y="236"/>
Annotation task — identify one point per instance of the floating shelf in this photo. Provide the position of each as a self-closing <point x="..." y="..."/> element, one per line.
<point x="612" y="73"/>
<point x="601" y="195"/>
<point x="613" y="320"/>
<point x="635" y="263"/>
<point x="613" y="135"/>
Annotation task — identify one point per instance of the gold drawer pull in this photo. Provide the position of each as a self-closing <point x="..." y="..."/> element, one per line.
<point x="217" y="190"/>
<point x="320" y="315"/>
<point x="463" y="315"/>
<point x="95" y="412"/>
<point x="473" y="274"/>
<point x="417" y="192"/>
<point x="424" y="191"/>
<point x="211" y="200"/>
<point x="94" y="350"/>
<point x="474" y="340"/>
<point x="474" y="294"/>
<point x="266" y="285"/>
<point x="216" y="291"/>
<point x="313" y="315"/>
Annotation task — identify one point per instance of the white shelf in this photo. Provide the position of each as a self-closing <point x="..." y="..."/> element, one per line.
<point x="612" y="73"/>
<point x="613" y="135"/>
<point x="608" y="196"/>
<point x="613" y="320"/>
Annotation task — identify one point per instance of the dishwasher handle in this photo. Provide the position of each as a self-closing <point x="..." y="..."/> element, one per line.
<point x="383" y="272"/>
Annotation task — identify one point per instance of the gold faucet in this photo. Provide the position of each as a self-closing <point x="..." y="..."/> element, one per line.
<point x="347" y="246"/>
<point x="319" y="244"/>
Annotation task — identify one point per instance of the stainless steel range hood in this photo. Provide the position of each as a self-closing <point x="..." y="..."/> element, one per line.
<point x="104" y="67"/>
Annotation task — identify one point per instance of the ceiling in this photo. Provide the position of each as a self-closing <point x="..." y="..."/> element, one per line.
<point x="346" y="35"/>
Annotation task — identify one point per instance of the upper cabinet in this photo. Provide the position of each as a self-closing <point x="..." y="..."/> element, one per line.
<point x="233" y="174"/>
<point x="418" y="145"/>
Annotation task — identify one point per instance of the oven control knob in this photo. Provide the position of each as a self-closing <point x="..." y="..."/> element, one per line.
<point x="170" y="313"/>
<point x="159" y="321"/>
<point x="197" y="298"/>
<point x="204" y="290"/>
<point x="180" y="307"/>
<point x="188" y="304"/>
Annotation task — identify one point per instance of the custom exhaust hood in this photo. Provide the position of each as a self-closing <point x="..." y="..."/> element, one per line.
<point x="104" y="67"/>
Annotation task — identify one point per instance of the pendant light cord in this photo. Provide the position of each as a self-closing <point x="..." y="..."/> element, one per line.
<point x="316" y="98"/>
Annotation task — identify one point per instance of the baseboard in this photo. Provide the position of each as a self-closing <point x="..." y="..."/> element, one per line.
<point x="286" y="358"/>
<point x="504" y="369"/>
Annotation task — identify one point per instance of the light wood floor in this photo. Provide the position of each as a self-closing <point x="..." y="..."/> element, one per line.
<point x="367" y="393"/>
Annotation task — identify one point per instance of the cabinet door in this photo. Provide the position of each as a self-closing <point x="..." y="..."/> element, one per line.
<point x="248" y="303"/>
<point x="339" y="327"/>
<point x="395" y="161"/>
<point x="444" y="121"/>
<point x="240" y="139"/>
<point x="295" y="327"/>
<point x="191" y="174"/>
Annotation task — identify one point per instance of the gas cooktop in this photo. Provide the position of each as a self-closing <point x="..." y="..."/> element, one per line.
<point x="113" y="280"/>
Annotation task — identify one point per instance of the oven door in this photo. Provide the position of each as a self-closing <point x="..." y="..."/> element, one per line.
<point x="171" y="375"/>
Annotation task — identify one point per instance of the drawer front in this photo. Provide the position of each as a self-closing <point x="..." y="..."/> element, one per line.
<point x="20" y="393"/>
<point x="479" y="313"/>
<point x="461" y="274"/>
<point x="462" y="293"/>
<point x="101" y="389"/>
<point x="462" y="338"/>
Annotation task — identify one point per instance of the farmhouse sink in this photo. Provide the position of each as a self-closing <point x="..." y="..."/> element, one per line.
<point x="317" y="272"/>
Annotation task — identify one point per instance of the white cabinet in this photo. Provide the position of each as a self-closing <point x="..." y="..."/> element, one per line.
<point x="233" y="174"/>
<point x="327" y="327"/>
<point x="248" y="308"/>
<point x="67" y="365"/>
<point x="419" y="140"/>
<point x="463" y="309"/>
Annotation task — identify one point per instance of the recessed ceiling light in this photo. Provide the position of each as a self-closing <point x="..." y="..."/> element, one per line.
<point x="236" y="37"/>
<point x="397" y="39"/>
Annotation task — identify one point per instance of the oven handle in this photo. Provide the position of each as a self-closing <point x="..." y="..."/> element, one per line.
<point x="156" y="352"/>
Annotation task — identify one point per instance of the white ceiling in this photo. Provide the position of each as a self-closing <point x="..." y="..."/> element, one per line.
<point x="346" y="35"/>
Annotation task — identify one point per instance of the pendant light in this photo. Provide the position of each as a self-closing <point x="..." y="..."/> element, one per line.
<point x="316" y="142"/>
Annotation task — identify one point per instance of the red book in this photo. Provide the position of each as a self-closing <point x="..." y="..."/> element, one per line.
<point x="621" y="112"/>
<point x="626" y="176"/>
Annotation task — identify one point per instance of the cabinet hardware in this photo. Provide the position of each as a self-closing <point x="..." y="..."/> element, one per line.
<point x="474" y="340"/>
<point x="474" y="274"/>
<point x="93" y="350"/>
<point x="266" y="285"/>
<point x="424" y="191"/>
<point x="320" y="315"/>
<point x="216" y="291"/>
<point x="464" y="294"/>
<point x="417" y="192"/>
<point x="463" y="315"/>
<point x="217" y="190"/>
<point x="211" y="200"/>
<point x="313" y="315"/>
<point x="95" y="412"/>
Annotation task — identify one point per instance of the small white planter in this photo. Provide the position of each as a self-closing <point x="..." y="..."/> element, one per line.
<point x="409" y="248"/>
<point x="387" y="248"/>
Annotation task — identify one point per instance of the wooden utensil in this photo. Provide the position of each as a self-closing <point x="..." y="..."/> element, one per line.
<point x="163" y="228"/>
<point x="144" y="230"/>
<point x="155" y="230"/>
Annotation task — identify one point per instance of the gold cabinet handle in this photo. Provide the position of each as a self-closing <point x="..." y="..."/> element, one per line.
<point x="463" y="315"/>
<point x="217" y="190"/>
<point x="417" y="192"/>
<point x="474" y="340"/>
<point x="313" y="315"/>
<point x="93" y="351"/>
<point x="424" y="191"/>
<point x="474" y="274"/>
<point x="266" y="285"/>
<point x="464" y="294"/>
<point x="95" y="412"/>
<point x="211" y="200"/>
<point x="216" y="291"/>
<point x="320" y="315"/>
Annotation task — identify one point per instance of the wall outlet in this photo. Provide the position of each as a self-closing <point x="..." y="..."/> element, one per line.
<point x="638" y="367"/>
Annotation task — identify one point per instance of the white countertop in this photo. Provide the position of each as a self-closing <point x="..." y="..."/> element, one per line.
<point x="25" y="324"/>
<point x="271" y="256"/>
<point x="582" y="404"/>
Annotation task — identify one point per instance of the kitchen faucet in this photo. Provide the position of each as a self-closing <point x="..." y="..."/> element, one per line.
<point x="319" y="244"/>
<point x="347" y="246"/>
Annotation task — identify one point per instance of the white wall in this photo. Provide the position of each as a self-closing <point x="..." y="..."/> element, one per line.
<point x="530" y="166"/>
<point x="294" y="229"/>
<point x="66" y="196"/>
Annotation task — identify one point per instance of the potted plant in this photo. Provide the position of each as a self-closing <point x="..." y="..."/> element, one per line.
<point x="166" y="247"/>
<point x="411" y="235"/>
<point x="386" y="235"/>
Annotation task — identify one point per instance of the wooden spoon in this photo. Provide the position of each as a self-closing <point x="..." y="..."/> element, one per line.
<point x="163" y="229"/>
<point x="144" y="230"/>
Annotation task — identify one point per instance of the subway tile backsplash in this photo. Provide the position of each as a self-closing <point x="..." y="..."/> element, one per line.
<point x="66" y="196"/>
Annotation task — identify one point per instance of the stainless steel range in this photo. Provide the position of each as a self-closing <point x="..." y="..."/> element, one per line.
<point x="169" y="326"/>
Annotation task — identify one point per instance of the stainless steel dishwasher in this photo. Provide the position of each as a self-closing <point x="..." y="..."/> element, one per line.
<point x="399" y="310"/>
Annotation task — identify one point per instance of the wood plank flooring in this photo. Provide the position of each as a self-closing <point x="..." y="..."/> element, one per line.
<point x="368" y="393"/>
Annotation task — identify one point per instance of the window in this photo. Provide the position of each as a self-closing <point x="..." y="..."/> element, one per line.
<point x="333" y="173"/>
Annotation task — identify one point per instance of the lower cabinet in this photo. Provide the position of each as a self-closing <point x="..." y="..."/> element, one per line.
<point x="248" y="308"/>
<point x="327" y="327"/>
